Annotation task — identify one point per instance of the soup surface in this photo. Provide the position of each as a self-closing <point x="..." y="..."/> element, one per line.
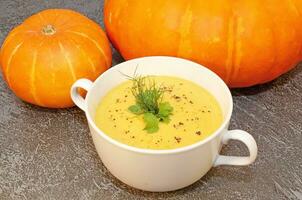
<point x="196" y="115"/>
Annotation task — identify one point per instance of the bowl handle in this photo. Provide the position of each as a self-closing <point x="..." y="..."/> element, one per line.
<point x="244" y="137"/>
<point x="75" y="96"/>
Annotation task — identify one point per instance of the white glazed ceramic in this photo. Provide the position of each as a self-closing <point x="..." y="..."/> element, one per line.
<point x="162" y="170"/>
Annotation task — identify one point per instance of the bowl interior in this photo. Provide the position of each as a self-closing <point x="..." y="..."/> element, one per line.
<point x="160" y="65"/>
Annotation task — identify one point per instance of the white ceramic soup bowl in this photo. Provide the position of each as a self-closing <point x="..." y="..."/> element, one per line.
<point x="162" y="170"/>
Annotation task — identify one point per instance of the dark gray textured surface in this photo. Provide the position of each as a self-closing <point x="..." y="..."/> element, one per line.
<point x="48" y="154"/>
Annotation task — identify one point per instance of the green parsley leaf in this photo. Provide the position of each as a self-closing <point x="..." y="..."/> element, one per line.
<point x="165" y="109"/>
<point x="151" y="123"/>
<point x="135" y="109"/>
<point x="164" y="112"/>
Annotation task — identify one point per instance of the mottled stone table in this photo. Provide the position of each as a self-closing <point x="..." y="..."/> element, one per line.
<point x="48" y="154"/>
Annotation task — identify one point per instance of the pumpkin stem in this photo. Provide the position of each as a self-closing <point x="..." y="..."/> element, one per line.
<point x="48" y="30"/>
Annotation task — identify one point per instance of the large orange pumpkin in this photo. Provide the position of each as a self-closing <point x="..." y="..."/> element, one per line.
<point x="43" y="56"/>
<point x="246" y="42"/>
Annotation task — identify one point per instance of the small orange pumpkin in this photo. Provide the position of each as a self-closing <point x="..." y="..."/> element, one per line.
<point x="43" y="56"/>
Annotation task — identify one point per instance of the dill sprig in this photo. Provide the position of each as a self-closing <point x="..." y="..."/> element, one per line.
<point x="147" y="94"/>
<point x="148" y="101"/>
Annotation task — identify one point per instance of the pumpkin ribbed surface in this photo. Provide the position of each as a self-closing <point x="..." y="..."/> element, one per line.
<point x="50" y="50"/>
<point x="244" y="42"/>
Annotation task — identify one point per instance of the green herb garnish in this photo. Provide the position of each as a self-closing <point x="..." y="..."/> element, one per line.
<point x="148" y="101"/>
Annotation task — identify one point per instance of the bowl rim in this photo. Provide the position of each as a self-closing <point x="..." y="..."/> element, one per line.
<point x="219" y="130"/>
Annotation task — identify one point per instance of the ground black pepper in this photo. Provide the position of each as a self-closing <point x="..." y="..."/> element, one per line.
<point x="176" y="97"/>
<point x="198" y="132"/>
<point x="178" y="139"/>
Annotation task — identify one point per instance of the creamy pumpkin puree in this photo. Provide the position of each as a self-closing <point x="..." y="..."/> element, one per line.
<point x="196" y="115"/>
